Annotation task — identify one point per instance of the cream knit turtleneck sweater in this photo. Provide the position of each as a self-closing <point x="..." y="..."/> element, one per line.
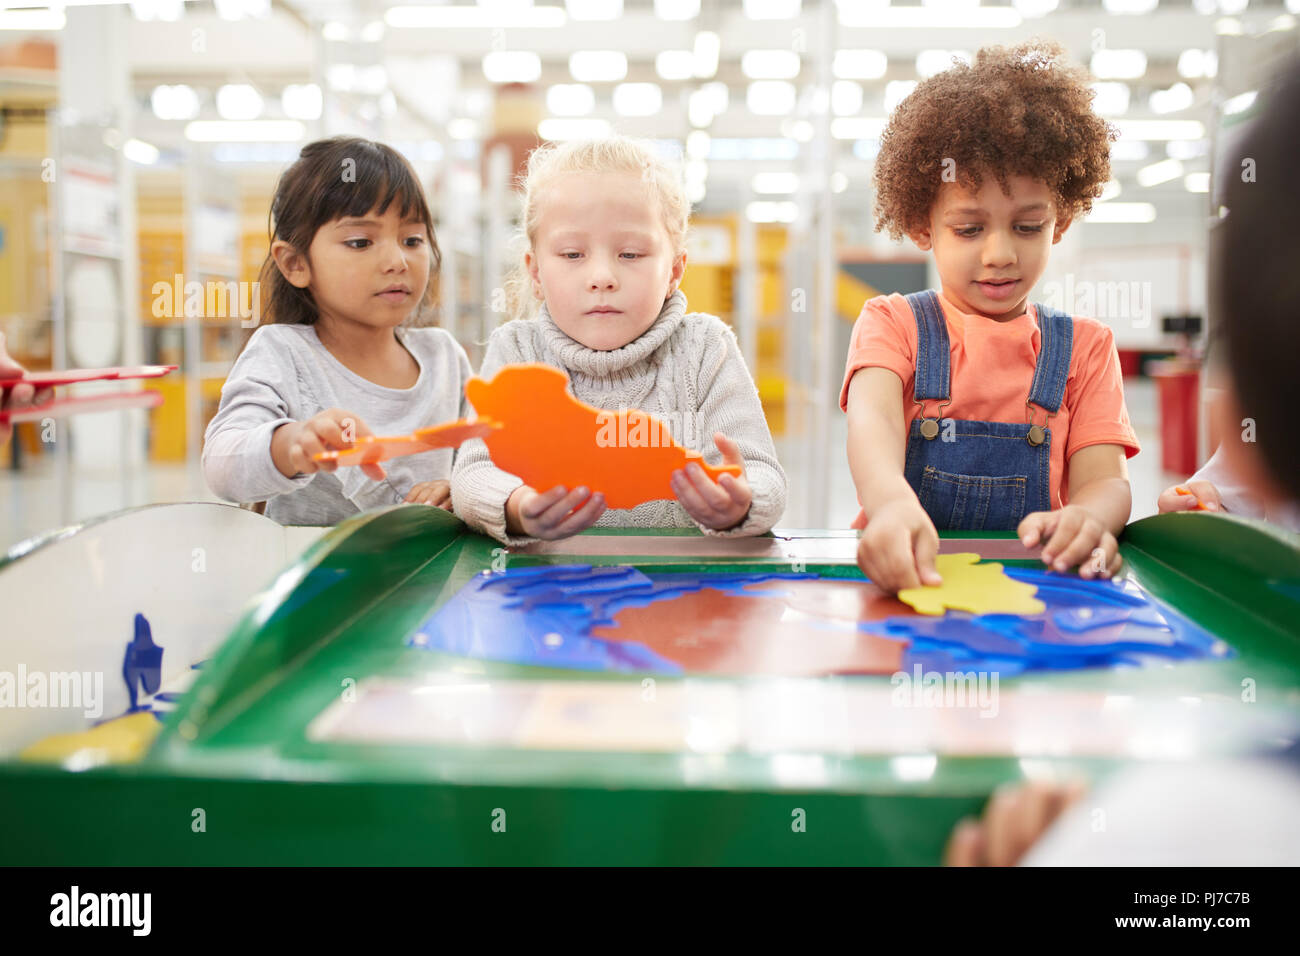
<point x="685" y="369"/>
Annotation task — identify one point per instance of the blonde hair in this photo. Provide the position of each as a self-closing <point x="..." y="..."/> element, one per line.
<point x="614" y="154"/>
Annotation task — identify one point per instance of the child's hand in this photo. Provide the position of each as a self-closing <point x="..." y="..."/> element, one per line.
<point x="435" y="493"/>
<point x="1171" y="499"/>
<point x="295" y="445"/>
<point x="898" y="546"/>
<point x="20" y="396"/>
<point x="718" y="506"/>
<point x="1013" y="821"/>
<point x="556" y="514"/>
<point x="1074" y="537"/>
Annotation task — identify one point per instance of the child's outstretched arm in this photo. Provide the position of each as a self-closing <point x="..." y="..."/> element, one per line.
<point x="899" y="543"/>
<point x="729" y="408"/>
<point x="1084" y="532"/>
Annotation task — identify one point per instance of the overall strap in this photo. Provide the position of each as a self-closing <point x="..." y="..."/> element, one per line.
<point x="1057" y="331"/>
<point x="932" y="352"/>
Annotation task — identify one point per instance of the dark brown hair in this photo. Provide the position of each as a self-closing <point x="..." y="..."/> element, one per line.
<point x="335" y="179"/>
<point x="1254" y="283"/>
<point x="1023" y="110"/>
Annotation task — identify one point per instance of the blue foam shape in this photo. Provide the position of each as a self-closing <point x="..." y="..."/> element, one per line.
<point x="509" y="615"/>
<point x="142" y="664"/>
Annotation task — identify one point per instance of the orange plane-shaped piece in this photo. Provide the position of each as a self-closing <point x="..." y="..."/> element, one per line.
<point x="550" y="438"/>
<point x="369" y="451"/>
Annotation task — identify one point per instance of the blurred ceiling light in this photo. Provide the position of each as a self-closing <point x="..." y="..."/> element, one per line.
<point x="512" y="66"/>
<point x="770" y="64"/>
<point x="1110" y="64"/>
<point x="677" y="9"/>
<point x="675" y="64"/>
<point x="1173" y="100"/>
<point x="931" y="62"/>
<point x="1122" y="212"/>
<point x="335" y="31"/>
<point x="1228" y="27"/>
<point x="696" y="171"/>
<point x="178" y="102"/>
<point x="598" y="66"/>
<point x="839" y="182"/>
<point x="846" y="98"/>
<point x="859" y="64"/>
<point x="896" y="91"/>
<point x="1293" y="6"/>
<point x="1233" y="7"/>
<point x="767" y="211"/>
<point x="302" y="101"/>
<point x="1197" y="182"/>
<point x="462" y="128"/>
<point x="707" y="47"/>
<point x="170" y="10"/>
<point x="32" y="20"/>
<point x="1160" y="129"/>
<point x="857" y="127"/>
<point x="1129" y="151"/>
<point x="238" y="9"/>
<point x="853" y="13"/>
<point x="799" y="130"/>
<point x="489" y="15"/>
<point x="1284" y="22"/>
<point x="638" y="99"/>
<point x="1195" y="64"/>
<point x="1035" y="8"/>
<point x="771" y="97"/>
<point x="695" y="192"/>
<point x="570" y="99"/>
<point x="138" y="151"/>
<point x="697" y="144"/>
<point x="249" y="131"/>
<point x="766" y="184"/>
<point x="1160" y="172"/>
<point x="1109" y="191"/>
<point x="1111" y="98"/>
<point x="373" y="31"/>
<point x="594" y="9"/>
<point x="1129" y="6"/>
<point x="238" y="101"/>
<point x="772" y="9"/>
<point x="562" y="129"/>
<point x="708" y="101"/>
<point x="1239" y="104"/>
<point x="1186" y="148"/>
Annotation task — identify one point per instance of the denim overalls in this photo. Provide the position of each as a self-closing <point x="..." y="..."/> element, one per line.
<point x="972" y="475"/>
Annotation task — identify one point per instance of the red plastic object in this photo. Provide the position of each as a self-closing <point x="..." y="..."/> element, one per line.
<point x="1179" y="384"/>
<point x="368" y="451"/>
<point x="71" y="376"/>
<point x="550" y="438"/>
<point x="62" y="407"/>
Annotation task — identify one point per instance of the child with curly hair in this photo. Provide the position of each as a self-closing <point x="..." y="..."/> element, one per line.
<point x="970" y="407"/>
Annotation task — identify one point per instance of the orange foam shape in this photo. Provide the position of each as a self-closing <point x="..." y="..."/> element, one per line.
<point x="368" y="451"/>
<point x="548" y="438"/>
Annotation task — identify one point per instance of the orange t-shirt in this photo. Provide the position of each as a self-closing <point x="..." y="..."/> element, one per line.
<point x="992" y="366"/>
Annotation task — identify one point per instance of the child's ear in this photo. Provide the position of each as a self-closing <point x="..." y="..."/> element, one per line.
<point x="293" y="265"/>
<point x="679" y="269"/>
<point x="922" y="237"/>
<point x="530" y="263"/>
<point x="1062" y="224"/>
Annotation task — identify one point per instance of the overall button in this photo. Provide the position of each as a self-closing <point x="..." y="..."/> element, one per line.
<point x="930" y="429"/>
<point x="1037" y="435"/>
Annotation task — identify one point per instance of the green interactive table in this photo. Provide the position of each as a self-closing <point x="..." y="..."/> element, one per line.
<point x="319" y="734"/>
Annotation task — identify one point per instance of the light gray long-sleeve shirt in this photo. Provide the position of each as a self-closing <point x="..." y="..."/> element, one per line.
<point x="285" y="375"/>
<point x="686" y="370"/>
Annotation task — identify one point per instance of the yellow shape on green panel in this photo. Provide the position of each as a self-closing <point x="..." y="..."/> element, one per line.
<point x="977" y="588"/>
<point x="121" y="740"/>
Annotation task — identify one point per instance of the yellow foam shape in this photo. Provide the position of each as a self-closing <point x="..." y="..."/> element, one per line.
<point x="123" y="740"/>
<point x="973" y="587"/>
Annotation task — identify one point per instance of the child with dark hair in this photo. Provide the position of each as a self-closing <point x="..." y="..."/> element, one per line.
<point x="969" y="407"/>
<point x="352" y="248"/>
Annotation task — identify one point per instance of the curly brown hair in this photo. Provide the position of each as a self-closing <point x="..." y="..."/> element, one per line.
<point x="1022" y="110"/>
